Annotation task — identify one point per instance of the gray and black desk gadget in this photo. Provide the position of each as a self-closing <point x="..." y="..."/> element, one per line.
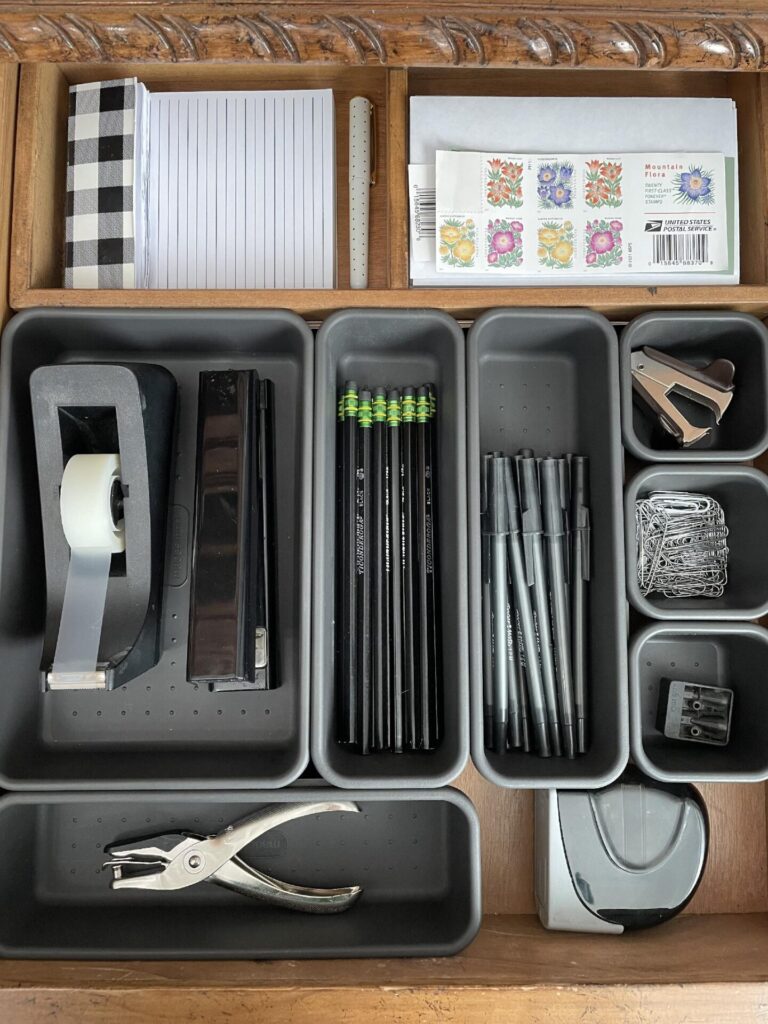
<point x="103" y="435"/>
<point x="625" y="857"/>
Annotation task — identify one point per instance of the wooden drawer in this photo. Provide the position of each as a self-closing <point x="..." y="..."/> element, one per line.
<point x="38" y="220"/>
<point x="712" y="962"/>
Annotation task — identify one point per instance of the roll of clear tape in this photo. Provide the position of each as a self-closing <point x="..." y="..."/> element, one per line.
<point x="88" y="510"/>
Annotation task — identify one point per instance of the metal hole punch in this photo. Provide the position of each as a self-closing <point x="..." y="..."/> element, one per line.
<point x="180" y="859"/>
<point x="656" y="375"/>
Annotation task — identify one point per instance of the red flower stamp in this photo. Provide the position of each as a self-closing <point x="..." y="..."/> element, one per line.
<point x="504" y="183"/>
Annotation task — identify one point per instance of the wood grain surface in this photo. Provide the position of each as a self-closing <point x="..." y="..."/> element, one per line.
<point x="712" y="968"/>
<point x="9" y="78"/>
<point x="650" y="35"/>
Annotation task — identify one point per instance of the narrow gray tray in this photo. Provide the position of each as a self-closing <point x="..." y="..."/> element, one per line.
<point x="698" y="338"/>
<point x="548" y="380"/>
<point x="395" y="347"/>
<point x="743" y="493"/>
<point x="416" y="854"/>
<point x="158" y="731"/>
<point x="726" y="654"/>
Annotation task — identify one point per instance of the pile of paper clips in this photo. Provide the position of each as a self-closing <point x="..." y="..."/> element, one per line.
<point x="682" y="548"/>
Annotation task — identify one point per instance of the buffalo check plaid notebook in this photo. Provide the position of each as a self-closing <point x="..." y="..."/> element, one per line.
<point x="200" y="190"/>
<point x="104" y="181"/>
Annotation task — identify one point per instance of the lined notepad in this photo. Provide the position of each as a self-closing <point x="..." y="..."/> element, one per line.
<point x="233" y="190"/>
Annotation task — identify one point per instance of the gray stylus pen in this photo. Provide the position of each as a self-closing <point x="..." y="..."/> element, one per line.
<point x="554" y="536"/>
<point x="525" y="532"/>
<point x="580" y="575"/>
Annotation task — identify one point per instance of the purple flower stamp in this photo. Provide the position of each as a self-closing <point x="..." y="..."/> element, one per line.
<point x="603" y="243"/>
<point x="554" y="185"/>
<point x="504" y="240"/>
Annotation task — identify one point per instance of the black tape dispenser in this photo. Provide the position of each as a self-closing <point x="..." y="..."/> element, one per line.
<point x="103" y="435"/>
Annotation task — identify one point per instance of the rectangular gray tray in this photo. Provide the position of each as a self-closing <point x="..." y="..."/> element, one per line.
<point x="698" y="337"/>
<point x="157" y="731"/>
<point x="730" y="654"/>
<point x="416" y="854"/>
<point x="394" y="347"/>
<point x="548" y="380"/>
<point x="743" y="494"/>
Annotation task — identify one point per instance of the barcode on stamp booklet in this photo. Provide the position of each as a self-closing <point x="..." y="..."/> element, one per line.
<point x="422" y="208"/>
<point x="424" y="212"/>
<point x="681" y="250"/>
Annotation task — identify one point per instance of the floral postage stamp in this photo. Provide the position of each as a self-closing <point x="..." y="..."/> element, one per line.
<point x="633" y="217"/>
<point x="457" y="242"/>
<point x="602" y="183"/>
<point x="504" y="243"/>
<point x="555" y="185"/>
<point x="504" y="182"/>
<point x="556" y="242"/>
<point x="603" y="243"/>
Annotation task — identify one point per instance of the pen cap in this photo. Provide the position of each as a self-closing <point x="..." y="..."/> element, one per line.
<point x="579" y="481"/>
<point x="498" y="515"/>
<point x="485" y="461"/>
<point x="564" y="471"/>
<point x="510" y="488"/>
<point x="528" y="483"/>
<point x="551" y="503"/>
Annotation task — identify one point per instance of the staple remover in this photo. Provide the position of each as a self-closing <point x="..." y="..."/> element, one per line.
<point x="181" y="859"/>
<point x="656" y="375"/>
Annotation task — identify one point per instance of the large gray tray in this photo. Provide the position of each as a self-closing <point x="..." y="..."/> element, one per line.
<point x="158" y="731"/>
<point x="395" y="347"/>
<point x="416" y="854"/>
<point x="548" y="380"/>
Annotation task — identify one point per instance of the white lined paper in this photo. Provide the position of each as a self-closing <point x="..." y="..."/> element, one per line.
<point x="241" y="190"/>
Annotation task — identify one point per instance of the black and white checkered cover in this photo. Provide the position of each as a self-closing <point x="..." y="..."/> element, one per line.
<point x="100" y="185"/>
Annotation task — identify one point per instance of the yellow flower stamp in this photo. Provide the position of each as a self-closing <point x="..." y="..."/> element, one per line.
<point x="458" y="242"/>
<point x="556" y="240"/>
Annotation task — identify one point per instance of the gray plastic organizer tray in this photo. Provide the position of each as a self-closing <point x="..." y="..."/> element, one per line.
<point x="157" y="731"/>
<point x="699" y="338"/>
<point x="416" y="855"/>
<point x="548" y="380"/>
<point x="395" y="347"/>
<point x="726" y="654"/>
<point x="743" y="494"/>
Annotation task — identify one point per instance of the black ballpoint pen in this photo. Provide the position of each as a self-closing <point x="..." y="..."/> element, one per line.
<point x="536" y="574"/>
<point x="497" y="528"/>
<point x="554" y="534"/>
<point x="580" y="576"/>
<point x="533" y="702"/>
<point x="485" y="572"/>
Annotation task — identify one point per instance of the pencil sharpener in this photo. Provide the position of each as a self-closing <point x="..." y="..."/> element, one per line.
<point x="617" y="859"/>
<point x="695" y="713"/>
